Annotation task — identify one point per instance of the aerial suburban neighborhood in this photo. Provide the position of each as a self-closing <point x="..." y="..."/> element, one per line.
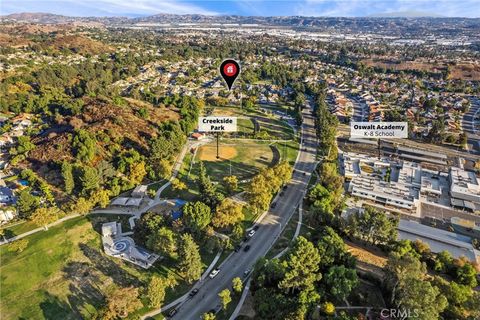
<point x="116" y="202"/>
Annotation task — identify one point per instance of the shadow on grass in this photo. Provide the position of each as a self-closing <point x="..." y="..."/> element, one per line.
<point x="84" y="287"/>
<point x="53" y="308"/>
<point x="108" y="267"/>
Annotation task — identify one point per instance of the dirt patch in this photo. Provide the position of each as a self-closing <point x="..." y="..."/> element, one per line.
<point x="209" y="153"/>
<point x="247" y="307"/>
<point x="463" y="70"/>
<point x="367" y="256"/>
<point x="225" y="112"/>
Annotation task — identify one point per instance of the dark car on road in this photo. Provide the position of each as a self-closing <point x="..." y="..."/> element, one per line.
<point x="237" y="247"/>
<point x="172" y="312"/>
<point x="273" y="205"/>
<point x="247" y="247"/>
<point x="193" y="292"/>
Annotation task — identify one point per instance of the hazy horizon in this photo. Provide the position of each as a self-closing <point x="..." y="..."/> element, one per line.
<point x="264" y="8"/>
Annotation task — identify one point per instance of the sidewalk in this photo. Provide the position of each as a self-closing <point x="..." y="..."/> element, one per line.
<point x="20" y="236"/>
<point x="185" y="296"/>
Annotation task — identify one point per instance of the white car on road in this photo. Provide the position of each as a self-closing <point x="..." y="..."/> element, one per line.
<point x="214" y="273"/>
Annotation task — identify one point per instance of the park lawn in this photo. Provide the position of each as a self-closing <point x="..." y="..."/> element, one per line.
<point x="246" y="159"/>
<point x="275" y="128"/>
<point x="245" y="126"/>
<point x="288" y="150"/>
<point x="33" y="283"/>
<point x="64" y="274"/>
<point x="17" y="228"/>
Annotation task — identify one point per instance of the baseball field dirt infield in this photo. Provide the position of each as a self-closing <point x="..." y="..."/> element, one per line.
<point x="209" y="153"/>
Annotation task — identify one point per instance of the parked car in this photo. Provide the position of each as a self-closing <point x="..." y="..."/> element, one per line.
<point x="251" y="233"/>
<point x="193" y="292"/>
<point x="256" y="227"/>
<point x="247" y="247"/>
<point x="214" y="273"/>
<point x="273" y="205"/>
<point x="237" y="247"/>
<point x="246" y="272"/>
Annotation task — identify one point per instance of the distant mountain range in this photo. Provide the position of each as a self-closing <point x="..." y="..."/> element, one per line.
<point x="223" y="19"/>
<point x="388" y="23"/>
<point x="406" y="14"/>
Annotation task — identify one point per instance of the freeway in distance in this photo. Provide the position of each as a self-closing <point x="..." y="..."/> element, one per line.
<point x="268" y="231"/>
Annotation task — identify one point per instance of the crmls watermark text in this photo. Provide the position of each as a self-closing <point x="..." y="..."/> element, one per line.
<point x="400" y="313"/>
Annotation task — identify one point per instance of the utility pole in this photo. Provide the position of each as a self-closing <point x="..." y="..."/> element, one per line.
<point x="218" y="137"/>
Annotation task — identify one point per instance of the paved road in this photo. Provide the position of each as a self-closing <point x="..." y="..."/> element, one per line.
<point x="360" y="109"/>
<point x="260" y="243"/>
<point x="468" y="126"/>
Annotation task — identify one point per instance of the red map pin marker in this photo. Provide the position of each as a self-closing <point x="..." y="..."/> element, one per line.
<point x="229" y="69"/>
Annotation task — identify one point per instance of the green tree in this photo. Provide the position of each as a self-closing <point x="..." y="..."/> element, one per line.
<point x="89" y="179"/>
<point x="231" y="184"/>
<point x="208" y="190"/>
<point x="225" y="298"/>
<point x="228" y="212"/>
<point x="84" y="145"/>
<point x="67" y="174"/>
<point x="301" y="266"/>
<point x="422" y="297"/>
<point x="157" y="287"/>
<point x="190" y="262"/>
<point x="82" y="206"/>
<point x="208" y="316"/>
<point x="237" y="285"/>
<point x="137" y="172"/>
<point x="374" y="226"/>
<point x="101" y="198"/>
<point x="43" y="216"/>
<point x="332" y="249"/>
<point x="148" y="224"/>
<point x="178" y="185"/>
<point x="405" y="278"/>
<point x="26" y="202"/>
<point x="120" y="303"/>
<point x="463" y="302"/>
<point x="258" y="194"/>
<point x="341" y="281"/>
<point x="163" y="241"/>
<point x="197" y="215"/>
<point x="467" y="275"/>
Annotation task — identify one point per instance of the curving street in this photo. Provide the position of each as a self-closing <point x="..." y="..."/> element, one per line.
<point x="269" y="230"/>
<point x="469" y="126"/>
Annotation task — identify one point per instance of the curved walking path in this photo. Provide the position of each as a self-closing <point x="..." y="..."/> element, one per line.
<point x="23" y="235"/>
<point x="241" y="301"/>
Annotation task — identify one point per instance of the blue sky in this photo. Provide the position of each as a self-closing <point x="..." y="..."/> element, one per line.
<point x="344" y="8"/>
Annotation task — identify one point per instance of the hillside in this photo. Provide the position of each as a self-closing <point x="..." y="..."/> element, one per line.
<point x="121" y="124"/>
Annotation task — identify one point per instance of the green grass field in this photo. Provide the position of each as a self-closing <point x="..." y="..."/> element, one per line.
<point x="273" y="126"/>
<point x="246" y="158"/>
<point x="17" y="228"/>
<point x="64" y="274"/>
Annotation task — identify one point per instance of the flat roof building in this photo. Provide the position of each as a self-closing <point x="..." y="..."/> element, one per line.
<point x="464" y="189"/>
